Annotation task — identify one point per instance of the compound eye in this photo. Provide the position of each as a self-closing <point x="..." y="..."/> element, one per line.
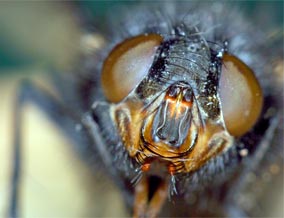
<point x="241" y="95"/>
<point x="127" y="64"/>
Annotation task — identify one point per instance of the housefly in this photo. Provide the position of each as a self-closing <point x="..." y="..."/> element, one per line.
<point x="177" y="105"/>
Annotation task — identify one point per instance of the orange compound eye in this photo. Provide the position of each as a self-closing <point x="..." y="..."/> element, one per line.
<point x="127" y="64"/>
<point x="241" y="95"/>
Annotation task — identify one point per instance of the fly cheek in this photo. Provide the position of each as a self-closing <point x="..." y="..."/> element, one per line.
<point x="240" y="94"/>
<point x="127" y="64"/>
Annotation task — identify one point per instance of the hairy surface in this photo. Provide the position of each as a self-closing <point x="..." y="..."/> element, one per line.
<point x="218" y="188"/>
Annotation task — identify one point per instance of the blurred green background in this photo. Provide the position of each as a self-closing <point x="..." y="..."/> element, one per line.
<point x="33" y="32"/>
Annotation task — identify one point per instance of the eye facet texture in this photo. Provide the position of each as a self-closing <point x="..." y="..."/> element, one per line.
<point x="241" y="95"/>
<point x="127" y="64"/>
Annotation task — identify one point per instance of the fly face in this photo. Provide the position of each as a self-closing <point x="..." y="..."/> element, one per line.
<point x="174" y="104"/>
<point x="176" y="109"/>
<point x="176" y="114"/>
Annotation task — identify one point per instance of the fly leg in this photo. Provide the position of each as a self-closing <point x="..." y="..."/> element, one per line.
<point x="57" y="112"/>
<point x="145" y="207"/>
<point x="158" y="200"/>
<point x="141" y="198"/>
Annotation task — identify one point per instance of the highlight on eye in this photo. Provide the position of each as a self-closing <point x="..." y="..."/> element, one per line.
<point x="240" y="94"/>
<point x="127" y="64"/>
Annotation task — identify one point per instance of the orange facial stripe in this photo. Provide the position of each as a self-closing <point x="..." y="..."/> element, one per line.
<point x="145" y="167"/>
